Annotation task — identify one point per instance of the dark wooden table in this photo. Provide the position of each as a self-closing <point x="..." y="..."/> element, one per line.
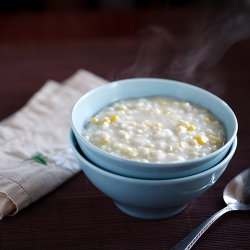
<point x="77" y="215"/>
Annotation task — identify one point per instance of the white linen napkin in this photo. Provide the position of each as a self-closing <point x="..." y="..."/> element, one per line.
<point x="35" y="154"/>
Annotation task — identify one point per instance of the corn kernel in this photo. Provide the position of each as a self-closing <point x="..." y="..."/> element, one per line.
<point x="148" y="123"/>
<point x="182" y="144"/>
<point x="121" y="112"/>
<point x="184" y="124"/>
<point x="105" y="140"/>
<point x="133" y="123"/>
<point x="202" y="139"/>
<point x="191" y="128"/>
<point x="94" y="119"/>
<point x="181" y="129"/>
<point x="106" y="119"/>
<point x="166" y="112"/>
<point x="216" y="139"/>
<point x="162" y="103"/>
<point x="207" y="120"/>
<point x="113" y="118"/>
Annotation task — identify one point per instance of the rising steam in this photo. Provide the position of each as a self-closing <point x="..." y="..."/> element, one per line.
<point x="191" y="58"/>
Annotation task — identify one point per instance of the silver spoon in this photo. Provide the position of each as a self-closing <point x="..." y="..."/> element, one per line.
<point x="237" y="197"/>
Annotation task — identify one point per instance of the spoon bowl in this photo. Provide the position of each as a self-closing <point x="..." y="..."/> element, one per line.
<point x="237" y="197"/>
<point x="237" y="192"/>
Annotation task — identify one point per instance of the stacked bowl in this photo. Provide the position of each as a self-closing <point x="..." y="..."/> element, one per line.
<point x="150" y="190"/>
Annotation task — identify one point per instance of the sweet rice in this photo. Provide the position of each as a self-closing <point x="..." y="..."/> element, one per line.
<point x="155" y="129"/>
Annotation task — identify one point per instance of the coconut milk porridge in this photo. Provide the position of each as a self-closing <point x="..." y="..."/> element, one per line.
<point x="155" y="129"/>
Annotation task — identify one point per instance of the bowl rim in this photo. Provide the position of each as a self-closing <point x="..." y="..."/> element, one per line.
<point x="152" y="164"/>
<point x="228" y="157"/>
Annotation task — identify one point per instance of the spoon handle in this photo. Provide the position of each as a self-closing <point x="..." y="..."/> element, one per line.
<point x="191" y="239"/>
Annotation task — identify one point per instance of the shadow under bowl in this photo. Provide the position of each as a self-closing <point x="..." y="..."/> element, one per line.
<point x="150" y="199"/>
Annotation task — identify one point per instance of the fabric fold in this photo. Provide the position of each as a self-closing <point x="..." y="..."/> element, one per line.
<point x="34" y="143"/>
<point x="7" y="207"/>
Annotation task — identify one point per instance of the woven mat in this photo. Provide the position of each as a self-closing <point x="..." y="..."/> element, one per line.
<point x="78" y="216"/>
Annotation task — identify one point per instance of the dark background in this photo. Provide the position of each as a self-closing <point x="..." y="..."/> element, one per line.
<point x="44" y="5"/>
<point x="42" y="40"/>
<point x="53" y="20"/>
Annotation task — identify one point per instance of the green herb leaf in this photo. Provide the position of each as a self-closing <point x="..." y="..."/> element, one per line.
<point x="39" y="158"/>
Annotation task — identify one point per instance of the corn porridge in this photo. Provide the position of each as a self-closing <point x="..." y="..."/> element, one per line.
<point x="155" y="129"/>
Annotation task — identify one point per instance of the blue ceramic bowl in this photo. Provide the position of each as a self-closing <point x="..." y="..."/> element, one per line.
<point x="94" y="101"/>
<point x="151" y="199"/>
